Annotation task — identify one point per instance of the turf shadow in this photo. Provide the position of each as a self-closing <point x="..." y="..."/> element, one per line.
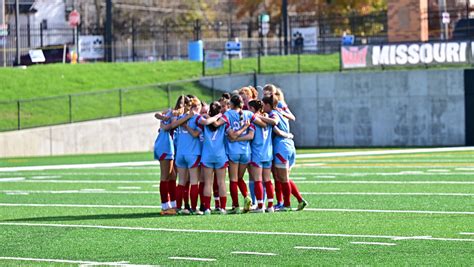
<point x="91" y="217"/>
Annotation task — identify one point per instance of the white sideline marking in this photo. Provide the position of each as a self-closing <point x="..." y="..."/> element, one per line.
<point x="374" y="243"/>
<point x="394" y="211"/>
<point x="46" y="177"/>
<point x="438" y="170"/>
<point x="319" y="248"/>
<point x="413" y="237"/>
<point x="19" y="194"/>
<point x="190" y="259"/>
<point x="12" y="179"/>
<point x="93" y="190"/>
<point x="253" y="253"/>
<point x="226" y="231"/>
<point x="159" y="207"/>
<point x="129" y="187"/>
<point x="388" y="194"/>
<point x="384" y="152"/>
<point x="325" y="176"/>
<point x="303" y="193"/>
<point x="464" y="169"/>
<point x="64" y="261"/>
<point x="300" y="156"/>
<point x="296" y="178"/>
<point x="463" y="233"/>
<point x="387" y="182"/>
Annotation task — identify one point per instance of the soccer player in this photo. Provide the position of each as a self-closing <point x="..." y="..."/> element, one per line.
<point x="214" y="158"/>
<point x="262" y="156"/>
<point x="164" y="152"/>
<point x="188" y="158"/>
<point x="284" y="152"/>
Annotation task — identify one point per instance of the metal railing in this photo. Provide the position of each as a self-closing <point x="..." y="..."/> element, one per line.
<point x="47" y="111"/>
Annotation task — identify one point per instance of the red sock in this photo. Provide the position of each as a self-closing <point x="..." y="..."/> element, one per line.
<point x="278" y="192"/>
<point x="234" y="193"/>
<point x="269" y="190"/>
<point x="295" y="191"/>
<point x="258" y="187"/>
<point x="164" y="192"/>
<point x="172" y="189"/>
<point x="179" y="196"/>
<point x="286" y="188"/>
<point x="186" y="194"/>
<point x="215" y="189"/>
<point x="243" y="187"/>
<point x="201" y="190"/>
<point x="223" y="201"/>
<point x="207" y="202"/>
<point x="194" y="193"/>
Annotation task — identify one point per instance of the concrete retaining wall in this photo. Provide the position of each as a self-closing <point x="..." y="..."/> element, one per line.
<point x="389" y="108"/>
<point x="126" y="134"/>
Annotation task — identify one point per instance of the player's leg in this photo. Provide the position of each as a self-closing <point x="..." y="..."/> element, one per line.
<point x="220" y="177"/>
<point x="165" y="170"/>
<point x="183" y="179"/>
<point x="243" y="164"/>
<point x="193" y="164"/>
<point x="233" y="185"/>
<point x="278" y="190"/>
<point x="266" y="173"/>
<point x="206" y="199"/>
<point x="256" y="172"/>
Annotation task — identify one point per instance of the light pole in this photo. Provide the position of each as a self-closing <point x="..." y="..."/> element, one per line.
<point x="2" y="24"/>
<point x="17" y="26"/>
<point x="284" y="15"/>
<point x="443" y="26"/>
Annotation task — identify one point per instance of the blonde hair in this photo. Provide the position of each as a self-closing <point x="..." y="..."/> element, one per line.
<point x="270" y="88"/>
<point x="280" y="95"/>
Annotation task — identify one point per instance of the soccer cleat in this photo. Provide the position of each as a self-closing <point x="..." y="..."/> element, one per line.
<point x="247" y="204"/>
<point x="278" y="206"/>
<point x="222" y="212"/>
<point x="284" y="209"/>
<point x="270" y="210"/>
<point x="216" y="211"/>
<point x="302" y="205"/>
<point x="169" y="212"/>
<point x="196" y="212"/>
<point x="184" y="212"/>
<point x="258" y="211"/>
<point x="207" y="212"/>
<point x="234" y="210"/>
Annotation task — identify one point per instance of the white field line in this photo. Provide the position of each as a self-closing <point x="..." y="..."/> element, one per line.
<point x="388" y="194"/>
<point x="318" y="248"/>
<point x="413" y="237"/>
<point x="19" y="194"/>
<point x="46" y="177"/>
<point x="12" y="179"/>
<point x="129" y="187"/>
<point x="300" y="182"/>
<point x="87" y="226"/>
<point x="303" y="193"/>
<point x="374" y="243"/>
<point x="159" y="207"/>
<point x="464" y="169"/>
<point x="191" y="259"/>
<point x="122" y="263"/>
<point x="253" y="253"/>
<point x="393" y="211"/>
<point x="463" y="233"/>
<point x="300" y="156"/>
<point x="438" y="170"/>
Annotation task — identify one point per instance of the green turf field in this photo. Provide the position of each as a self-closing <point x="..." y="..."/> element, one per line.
<point x="392" y="209"/>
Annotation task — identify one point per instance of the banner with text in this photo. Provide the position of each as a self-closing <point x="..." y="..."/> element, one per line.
<point x="404" y="55"/>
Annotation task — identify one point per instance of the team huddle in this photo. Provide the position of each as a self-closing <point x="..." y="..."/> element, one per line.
<point x="238" y="132"/>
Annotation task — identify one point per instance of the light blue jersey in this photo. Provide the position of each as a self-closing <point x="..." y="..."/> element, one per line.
<point x="283" y="148"/>
<point x="188" y="144"/>
<point x="213" y="148"/>
<point x="262" y="148"/>
<point x="236" y="120"/>
<point x="164" y="148"/>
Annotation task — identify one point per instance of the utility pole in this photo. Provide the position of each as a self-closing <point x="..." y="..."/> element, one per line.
<point x="17" y="26"/>
<point x="284" y="16"/>
<point x="2" y="23"/>
<point x="443" y="26"/>
<point x="108" y="31"/>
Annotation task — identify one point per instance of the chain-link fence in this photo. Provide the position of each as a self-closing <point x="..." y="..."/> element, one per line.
<point x="23" y="114"/>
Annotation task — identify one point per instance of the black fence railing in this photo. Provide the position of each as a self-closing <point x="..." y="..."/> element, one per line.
<point x="30" y="113"/>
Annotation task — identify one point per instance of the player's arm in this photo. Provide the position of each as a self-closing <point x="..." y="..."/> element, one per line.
<point x="282" y="133"/>
<point x="246" y="137"/>
<point x="269" y="120"/>
<point x="212" y="120"/>
<point x="233" y="135"/>
<point x="176" y="123"/>
<point x="194" y="133"/>
<point x="286" y="112"/>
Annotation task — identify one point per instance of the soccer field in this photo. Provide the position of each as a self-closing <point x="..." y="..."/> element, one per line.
<point x="366" y="207"/>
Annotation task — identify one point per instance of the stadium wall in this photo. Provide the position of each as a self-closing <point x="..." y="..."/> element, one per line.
<point x="126" y="134"/>
<point x="365" y="109"/>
